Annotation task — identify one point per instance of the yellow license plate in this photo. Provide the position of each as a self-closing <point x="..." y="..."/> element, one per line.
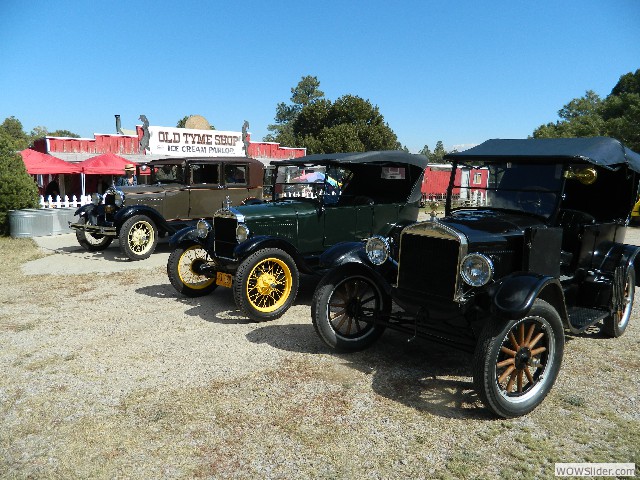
<point x="223" y="279"/>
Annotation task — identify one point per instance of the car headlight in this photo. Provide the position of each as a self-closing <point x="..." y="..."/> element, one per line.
<point x="202" y="228"/>
<point x="118" y="198"/>
<point x="377" y="249"/>
<point x="242" y="233"/>
<point x="476" y="269"/>
<point x="96" y="198"/>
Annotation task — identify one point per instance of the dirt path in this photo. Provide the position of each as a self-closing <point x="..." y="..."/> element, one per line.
<point x="108" y="373"/>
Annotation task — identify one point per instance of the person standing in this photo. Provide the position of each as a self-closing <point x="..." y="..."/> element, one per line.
<point x="129" y="179"/>
<point x="52" y="190"/>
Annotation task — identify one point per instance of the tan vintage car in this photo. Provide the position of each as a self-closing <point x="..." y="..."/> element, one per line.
<point x="181" y="191"/>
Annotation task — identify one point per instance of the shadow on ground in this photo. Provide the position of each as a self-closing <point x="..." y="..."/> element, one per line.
<point x="428" y="377"/>
<point x="219" y="306"/>
<point x="216" y="307"/>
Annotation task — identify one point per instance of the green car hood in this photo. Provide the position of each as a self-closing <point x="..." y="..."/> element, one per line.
<point x="282" y="219"/>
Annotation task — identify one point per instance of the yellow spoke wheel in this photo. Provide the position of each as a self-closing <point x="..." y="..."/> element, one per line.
<point x="141" y="237"/>
<point x="266" y="284"/>
<point x="269" y="285"/>
<point x="184" y="271"/>
<point x="138" y="237"/>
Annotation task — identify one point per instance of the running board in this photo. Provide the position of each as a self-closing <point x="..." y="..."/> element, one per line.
<point x="581" y="318"/>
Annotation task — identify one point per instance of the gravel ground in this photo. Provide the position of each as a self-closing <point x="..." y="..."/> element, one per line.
<point x="109" y="373"/>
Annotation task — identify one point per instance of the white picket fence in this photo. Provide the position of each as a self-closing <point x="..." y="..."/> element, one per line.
<point x="478" y="198"/>
<point x="64" y="202"/>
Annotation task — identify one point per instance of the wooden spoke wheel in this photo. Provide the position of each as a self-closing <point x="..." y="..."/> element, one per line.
<point x="517" y="361"/>
<point x="616" y="324"/>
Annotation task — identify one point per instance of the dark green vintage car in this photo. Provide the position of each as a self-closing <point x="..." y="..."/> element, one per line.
<point x="318" y="201"/>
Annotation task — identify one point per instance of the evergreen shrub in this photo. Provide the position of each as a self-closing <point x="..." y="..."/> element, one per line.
<point x="17" y="188"/>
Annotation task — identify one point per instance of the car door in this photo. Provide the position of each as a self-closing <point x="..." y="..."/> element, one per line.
<point x="206" y="194"/>
<point x="347" y="222"/>
<point x="175" y="202"/>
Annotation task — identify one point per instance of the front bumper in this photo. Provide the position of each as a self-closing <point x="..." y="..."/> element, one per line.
<point x="94" y="229"/>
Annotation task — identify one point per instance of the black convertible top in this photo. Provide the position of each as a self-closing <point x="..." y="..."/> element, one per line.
<point x="383" y="156"/>
<point x="602" y="151"/>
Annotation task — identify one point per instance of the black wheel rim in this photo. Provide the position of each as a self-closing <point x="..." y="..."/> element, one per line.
<point x="353" y="307"/>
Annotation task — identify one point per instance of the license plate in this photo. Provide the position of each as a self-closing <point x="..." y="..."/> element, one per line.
<point x="223" y="279"/>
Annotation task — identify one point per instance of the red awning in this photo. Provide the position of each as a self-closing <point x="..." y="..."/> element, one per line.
<point x="105" y="164"/>
<point x="39" y="163"/>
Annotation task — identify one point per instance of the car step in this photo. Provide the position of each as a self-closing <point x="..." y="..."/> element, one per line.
<point x="582" y="318"/>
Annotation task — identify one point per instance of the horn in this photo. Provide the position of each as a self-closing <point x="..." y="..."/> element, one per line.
<point x="585" y="176"/>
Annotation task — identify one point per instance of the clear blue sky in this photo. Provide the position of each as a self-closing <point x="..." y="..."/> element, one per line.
<point x="457" y="71"/>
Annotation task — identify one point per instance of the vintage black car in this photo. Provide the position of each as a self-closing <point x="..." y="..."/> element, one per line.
<point x="318" y="201"/>
<point x="536" y="250"/>
<point x="181" y="191"/>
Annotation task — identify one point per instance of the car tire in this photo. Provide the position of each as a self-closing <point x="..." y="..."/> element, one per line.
<point x="91" y="242"/>
<point x="182" y="270"/>
<point x="348" y="299"/>
<point x="516" y="362"/>
<point x="616" y="324"/>
<point x="266" y="284"/>
<point x="138" y="237"/>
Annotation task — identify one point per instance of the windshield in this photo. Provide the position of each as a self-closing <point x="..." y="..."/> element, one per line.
<point x="525" y="187"/>
<point x="311" y="182"/>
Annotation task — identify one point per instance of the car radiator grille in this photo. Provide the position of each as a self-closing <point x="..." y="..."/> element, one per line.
<point x="225" y="236"/>
<point x="428" y="266"/>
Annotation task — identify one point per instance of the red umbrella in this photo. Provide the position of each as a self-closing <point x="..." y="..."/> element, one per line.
<point x="105" y="164"/>
<point x="39" y="163"/>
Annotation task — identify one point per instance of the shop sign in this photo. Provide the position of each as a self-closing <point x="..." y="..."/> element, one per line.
<point x="194" y="143"/>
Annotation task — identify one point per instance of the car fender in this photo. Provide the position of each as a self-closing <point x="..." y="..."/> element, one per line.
<point x="513" y="295"/>
<point x="185" y="235"/>
<point x="343" y="252"/>
<point x="253" y="244"/>
<point x="621" y="254"/>
<point x="127" y="212"/>
<point x="367" y="270"/>
<point x="85" y="210"/>
<point x="354" y="255"/>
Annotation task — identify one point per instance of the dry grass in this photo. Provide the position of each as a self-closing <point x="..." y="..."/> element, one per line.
<point x="187" y="389"/>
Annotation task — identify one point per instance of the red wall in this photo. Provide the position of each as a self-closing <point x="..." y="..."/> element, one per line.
<point x="129" y="145"/>
<point x="436" y="180"/>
